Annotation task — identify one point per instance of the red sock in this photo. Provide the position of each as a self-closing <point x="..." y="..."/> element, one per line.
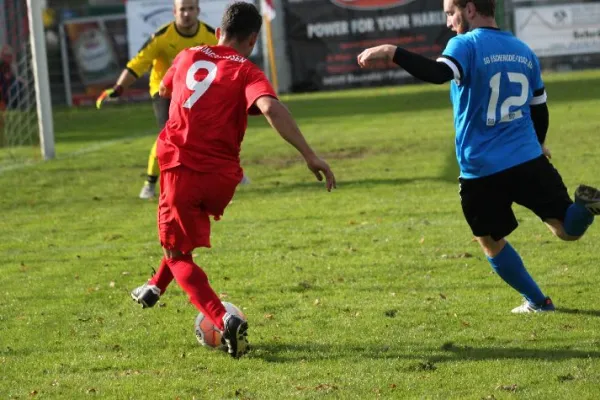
<point x="194" y="282"/>
<point x="163" y="277"/>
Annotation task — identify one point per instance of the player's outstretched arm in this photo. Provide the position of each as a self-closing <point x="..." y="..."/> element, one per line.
<point x="282" y="121"/>
<point x="372" y="56"/>
<point x="125" y="80"/>
<point x="138" y="65"/>
<point x="420" y="67"/>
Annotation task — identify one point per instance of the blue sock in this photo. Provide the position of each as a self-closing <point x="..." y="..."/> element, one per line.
<point x="509" y="266"/>
<point x="577" y="219"/>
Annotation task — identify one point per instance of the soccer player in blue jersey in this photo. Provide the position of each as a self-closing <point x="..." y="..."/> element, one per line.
<point x="501" y="120"/>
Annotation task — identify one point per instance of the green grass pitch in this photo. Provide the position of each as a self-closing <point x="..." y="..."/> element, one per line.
<point x="373" y="290"/>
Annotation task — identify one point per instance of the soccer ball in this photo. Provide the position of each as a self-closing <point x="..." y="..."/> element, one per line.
<point x="209" y="335"/>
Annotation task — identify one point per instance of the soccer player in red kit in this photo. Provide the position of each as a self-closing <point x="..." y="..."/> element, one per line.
<point x="212" y="90"/>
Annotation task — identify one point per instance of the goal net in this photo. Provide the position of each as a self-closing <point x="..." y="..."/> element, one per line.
<point x="21" y="85"/>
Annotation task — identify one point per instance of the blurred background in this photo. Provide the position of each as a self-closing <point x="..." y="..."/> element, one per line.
<point x="311" y="46"/>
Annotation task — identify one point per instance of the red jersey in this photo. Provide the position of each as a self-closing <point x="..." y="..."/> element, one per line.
<point x="213" y="91"/>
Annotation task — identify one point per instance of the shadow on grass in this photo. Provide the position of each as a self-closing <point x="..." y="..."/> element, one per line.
<point x="279" y="187"/>
<point x="466" y="353"/>
<point x="592" y="313"/>
<point x="426" y="359"/>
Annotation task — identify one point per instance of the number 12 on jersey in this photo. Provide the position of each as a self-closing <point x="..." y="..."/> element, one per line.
<point x="512" y="101"/>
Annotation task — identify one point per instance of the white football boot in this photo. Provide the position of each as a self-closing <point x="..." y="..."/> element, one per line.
<point x="529" y="307"/>
<point x="148" y="191"/>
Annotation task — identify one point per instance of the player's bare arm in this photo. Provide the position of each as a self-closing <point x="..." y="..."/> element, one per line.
<point x="126" y="79"/>
<point x="141" y="62"/>
<point x="282" y="121"/>
<point x="420" y="67"/>
<point x="369" y="57"/>
<point x="164" y="90"/>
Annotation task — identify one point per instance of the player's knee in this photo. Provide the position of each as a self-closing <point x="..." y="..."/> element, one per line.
<point x="490" y="246"/>
<point x="562" y="235"/>
<point x="558" y="229"/>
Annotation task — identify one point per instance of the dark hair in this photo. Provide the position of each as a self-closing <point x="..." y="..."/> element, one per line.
<point x="241" y="20"/>
<point x="484" y="7"/>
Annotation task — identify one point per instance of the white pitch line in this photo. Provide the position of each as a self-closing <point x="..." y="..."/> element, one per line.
<point x="76" y="153"/>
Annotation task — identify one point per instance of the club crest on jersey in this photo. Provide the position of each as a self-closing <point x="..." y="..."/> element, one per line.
<point x="370" y="4"/>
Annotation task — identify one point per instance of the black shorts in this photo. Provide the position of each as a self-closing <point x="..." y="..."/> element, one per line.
<point x="536" y="185"/>
<point x="161" y="109"/>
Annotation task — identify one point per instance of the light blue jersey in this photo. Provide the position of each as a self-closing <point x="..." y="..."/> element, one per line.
<point x="496" y="79"/>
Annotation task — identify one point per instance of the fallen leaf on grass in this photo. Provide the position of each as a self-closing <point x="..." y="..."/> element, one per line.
<point x="454" y="256"/>
<point x="508" y="388"/>
<point x="325" y="386"/>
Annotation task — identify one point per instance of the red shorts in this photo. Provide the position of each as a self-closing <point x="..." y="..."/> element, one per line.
<point x="187" y="199"/>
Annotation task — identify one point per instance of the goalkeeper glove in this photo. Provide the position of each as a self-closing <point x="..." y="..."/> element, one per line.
<point x="112" y="93"/>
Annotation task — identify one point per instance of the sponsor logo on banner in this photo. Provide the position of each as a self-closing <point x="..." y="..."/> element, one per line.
<point x="370" y="4"/>
<point x="159" y="17"/>
<point x="560" y="30"/>
<point x="144" y="17"/>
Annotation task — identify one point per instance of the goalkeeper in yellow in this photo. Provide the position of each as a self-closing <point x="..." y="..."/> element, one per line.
<point x="157" y="54"/>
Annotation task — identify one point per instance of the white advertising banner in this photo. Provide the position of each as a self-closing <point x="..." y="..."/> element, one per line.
<point x="560" y="30"/>
<point x="144" y="17"/>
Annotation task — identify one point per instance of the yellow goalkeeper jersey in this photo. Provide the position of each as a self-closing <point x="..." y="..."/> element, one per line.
<point x="162" y="47"/>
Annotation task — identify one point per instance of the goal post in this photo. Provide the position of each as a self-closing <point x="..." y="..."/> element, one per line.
<point x="26" y="121"/>
<point x="39" y="62"/>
